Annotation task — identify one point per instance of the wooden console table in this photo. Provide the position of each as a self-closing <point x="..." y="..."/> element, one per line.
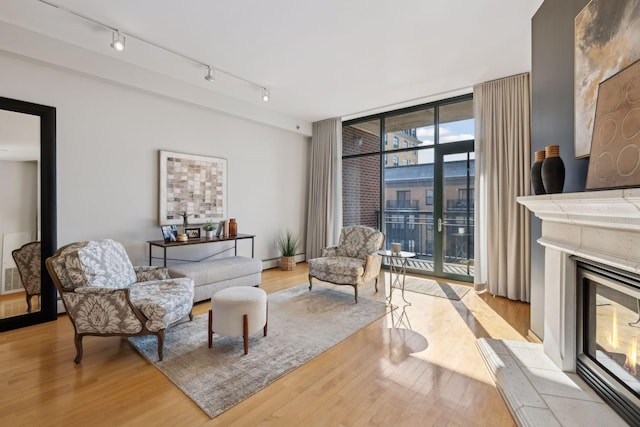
<point x="165" y="246"/>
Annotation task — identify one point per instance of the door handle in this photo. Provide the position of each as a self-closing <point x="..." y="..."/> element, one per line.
<point x="439" y="225"/>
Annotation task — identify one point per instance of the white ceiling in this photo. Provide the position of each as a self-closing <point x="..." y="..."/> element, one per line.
<point x="320" y="59"/>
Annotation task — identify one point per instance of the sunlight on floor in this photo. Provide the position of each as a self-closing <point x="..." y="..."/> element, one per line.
<point x="443" y="332"/>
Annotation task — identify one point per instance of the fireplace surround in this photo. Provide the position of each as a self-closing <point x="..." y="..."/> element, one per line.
<point x="592" y="237"/>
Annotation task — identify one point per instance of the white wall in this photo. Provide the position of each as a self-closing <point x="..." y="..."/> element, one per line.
<point x="18" y="196"/>
<point x="107" y="158"/>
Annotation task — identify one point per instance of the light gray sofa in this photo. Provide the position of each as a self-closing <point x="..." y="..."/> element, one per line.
<point x="212" y="276"/>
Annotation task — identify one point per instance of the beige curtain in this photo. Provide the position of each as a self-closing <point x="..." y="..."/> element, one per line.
<point x="324" y="217"/>
<point x="502" y="141"/>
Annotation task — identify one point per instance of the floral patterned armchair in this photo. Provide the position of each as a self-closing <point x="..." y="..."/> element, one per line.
<point x="27" y="259"/>
<point x="105" y="295"/>
<point x="353" y="262"/>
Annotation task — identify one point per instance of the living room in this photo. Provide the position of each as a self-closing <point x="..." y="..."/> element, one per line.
<point x="114" y="114"/>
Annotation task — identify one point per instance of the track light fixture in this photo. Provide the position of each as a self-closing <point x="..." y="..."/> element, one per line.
<point x="210" y="76"/>
<point x="117" y="41"/>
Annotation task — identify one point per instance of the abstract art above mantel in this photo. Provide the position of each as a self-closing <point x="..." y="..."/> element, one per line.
<point x="192" y="184"/>
<point x="615" y="149"/>
<point x="606" y="41"/>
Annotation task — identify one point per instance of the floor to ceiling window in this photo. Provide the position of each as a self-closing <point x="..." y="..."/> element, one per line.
<point x="410" y="173"/>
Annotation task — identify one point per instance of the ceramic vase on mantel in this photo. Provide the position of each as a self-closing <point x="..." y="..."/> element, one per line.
<point x="536" y="174"/>
<point x="552" y="170"/>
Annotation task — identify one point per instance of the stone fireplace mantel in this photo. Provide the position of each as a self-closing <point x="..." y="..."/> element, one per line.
<point x="600" y="226"/>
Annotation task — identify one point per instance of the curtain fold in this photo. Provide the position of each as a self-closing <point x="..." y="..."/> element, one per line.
<point x="503" y="160"/>
<point x="324" y="215"/>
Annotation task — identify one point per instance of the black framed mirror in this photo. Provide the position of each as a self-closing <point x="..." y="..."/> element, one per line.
<point x="47" y="210"/>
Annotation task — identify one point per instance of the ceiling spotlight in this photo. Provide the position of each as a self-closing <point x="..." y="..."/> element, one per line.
<point x="210" y="76"/>
<point x="117" y="41"/>
<point x="265" y="94"/>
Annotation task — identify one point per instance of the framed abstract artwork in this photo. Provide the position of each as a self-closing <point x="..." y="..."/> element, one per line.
<point x="615" y="148"/>
<point x="193" y="189"/>
<point x="606" y="41"/>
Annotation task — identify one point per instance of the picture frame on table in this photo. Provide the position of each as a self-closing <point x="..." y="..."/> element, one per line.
<point x="192" y="233"/>
<point x="220" y="230"/>
<point x="169" y="233"/>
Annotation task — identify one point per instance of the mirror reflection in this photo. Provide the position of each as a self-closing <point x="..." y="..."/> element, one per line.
<point x="19" y="214"/>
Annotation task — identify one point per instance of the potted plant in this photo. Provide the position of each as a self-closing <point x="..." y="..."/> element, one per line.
<point x="209" y="227"/>
<point x="287" y="245"/>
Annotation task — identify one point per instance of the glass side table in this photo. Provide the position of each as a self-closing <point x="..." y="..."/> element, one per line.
<point x="397" y="271"/>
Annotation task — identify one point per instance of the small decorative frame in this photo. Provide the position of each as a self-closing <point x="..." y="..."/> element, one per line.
<point x="192" y="233"/>
<point x="169" y="233"/>
<point x="192" y="184"/>
<point x="220" y="227"/>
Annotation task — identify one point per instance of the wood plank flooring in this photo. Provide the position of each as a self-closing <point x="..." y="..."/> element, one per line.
<point x="416" y="367"/>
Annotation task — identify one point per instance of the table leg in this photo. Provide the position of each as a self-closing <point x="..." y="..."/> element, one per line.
<point x="165" y="257"/>
<point x="252" y="245"/>
<point x="404" y="276"/>
<point x="390" y="281"/>
<point x="235" y="247"/>
<point x="397" y="276"/>
<point x="150" y="252"/>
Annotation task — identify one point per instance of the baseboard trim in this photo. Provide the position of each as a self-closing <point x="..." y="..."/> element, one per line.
<point x="531" y="336"/>
<point x="275" y="262"/>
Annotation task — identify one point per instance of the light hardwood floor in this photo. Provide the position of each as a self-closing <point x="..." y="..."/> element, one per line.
<point x="417" y="367"/>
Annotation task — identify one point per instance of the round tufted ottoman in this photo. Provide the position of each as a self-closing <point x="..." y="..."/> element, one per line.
<point x="238" y="312"/>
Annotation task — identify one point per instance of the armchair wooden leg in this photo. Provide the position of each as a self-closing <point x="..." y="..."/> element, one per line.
<point x="78" y="340"/>
<point x="377" y="277"/>
<point x="28" y="303"/>
<point x="355" y="291"/>
<point x="310" y="285"/>
<point x="210" y="328"/>
<point x="267" y="321"/>
<point x="160" y="344"/>
<point x="191" y="315"/>
<point x="245" y="333"/>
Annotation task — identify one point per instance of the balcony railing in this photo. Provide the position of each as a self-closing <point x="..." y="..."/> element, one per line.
<point x="415" y="232"/>
<point x="455" y="204"/>
<point x="402" y="204"/>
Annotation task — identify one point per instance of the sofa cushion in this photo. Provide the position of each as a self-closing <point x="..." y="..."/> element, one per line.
<point x="163" y="302"/>
<point x="217" y="270"/>
<point x="331" y="266"/>
<point x="106" y="264"/>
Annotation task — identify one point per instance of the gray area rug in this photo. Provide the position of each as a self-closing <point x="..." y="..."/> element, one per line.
<point x="302" y="324"/>
<point x="433" y="288"/>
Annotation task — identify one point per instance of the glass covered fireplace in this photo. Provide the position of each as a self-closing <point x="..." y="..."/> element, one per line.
<point x="609" y="336"/>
